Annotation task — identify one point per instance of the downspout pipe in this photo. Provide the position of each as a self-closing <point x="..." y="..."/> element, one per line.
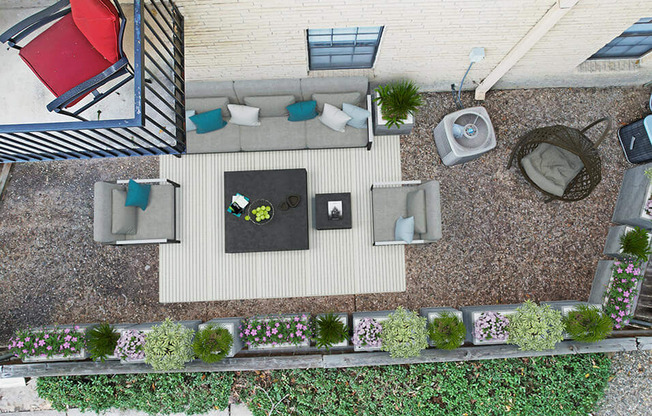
<point x="543" y="26"/>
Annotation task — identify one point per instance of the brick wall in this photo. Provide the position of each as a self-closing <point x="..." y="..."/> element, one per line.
<point x="425" y="40"/>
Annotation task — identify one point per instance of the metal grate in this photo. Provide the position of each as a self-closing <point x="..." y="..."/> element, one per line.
<point x="158" y="125"/>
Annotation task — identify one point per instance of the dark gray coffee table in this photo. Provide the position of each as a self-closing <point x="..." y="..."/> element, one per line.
<point x="321" y="211"/>
<point x="288" y="230"/>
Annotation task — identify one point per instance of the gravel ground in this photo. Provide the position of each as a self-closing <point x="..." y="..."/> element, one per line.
<point x="501" y="243"/>
<point x="629" y="392"/>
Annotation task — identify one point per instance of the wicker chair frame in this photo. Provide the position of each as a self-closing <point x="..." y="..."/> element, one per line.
<point x="576" y="142"/>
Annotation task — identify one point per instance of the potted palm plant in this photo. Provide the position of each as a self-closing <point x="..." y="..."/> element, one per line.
<point x="395" y="105"/>
<point x="331" y="330"/>
<point x="624" y="241"/>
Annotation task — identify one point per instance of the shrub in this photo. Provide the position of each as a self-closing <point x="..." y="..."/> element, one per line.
<point x="367" y="333"/>
<point x="130" y="345"/>
<point x="404" y="334"/>
<point x="622" y="291"/>
<point x="101" y="341"/>
<point x="447" y="331"/>
<point x="169" y="346"/>
<point x="588" y="324"/>
<point x="212" y="344"/>
<point x="398" y="99"/>
<point x="275" y="330"/>
<point x="46" y="343"/>
<point x="329" y="330"/>
<point x="636" y="243"/>
<point x="189" y="393"/>
<point x="535" y="328"/>
<point x="491" y="326"/>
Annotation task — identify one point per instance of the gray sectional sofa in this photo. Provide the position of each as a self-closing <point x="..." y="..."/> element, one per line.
<point x="275" y="131"/>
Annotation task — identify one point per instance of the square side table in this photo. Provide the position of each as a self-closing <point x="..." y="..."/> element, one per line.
<point x="321" y="211"/>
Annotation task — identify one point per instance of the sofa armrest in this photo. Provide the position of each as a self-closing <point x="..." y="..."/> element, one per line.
<point x="102" y="213"/>
<point x="370" y="124"/>
<point x="433" y="211"/>
<point x="160" y="181"/>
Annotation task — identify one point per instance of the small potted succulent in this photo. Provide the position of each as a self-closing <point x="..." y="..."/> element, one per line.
<point x="587" y="323"/>
<point x="283" y="331"/>
<point x="395" y="105"/>
<point x="50" y="344"/>
<point x="535" y="328"/>
<point x="331" y="331"/>
<point x="404" y="334"/>
<point x="447" y="331"/>
<point x="130" y="346"/>
<point x="367" y="333"/>
<point x="212" y="343"/>
<point x="621" y="294"/>
<point x="101" y="341"/>
<point x="169" y="346"/>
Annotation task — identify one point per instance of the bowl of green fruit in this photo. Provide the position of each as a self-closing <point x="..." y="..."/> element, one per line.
<point x="260" y="212"/>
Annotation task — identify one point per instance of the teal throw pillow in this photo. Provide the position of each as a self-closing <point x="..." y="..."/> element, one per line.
<point x="404" y="230"/>
<point x="302" y="111"/>
<point x="358" y="116"/>
<point x="137" y="194"/>
<point x="208" y="121"/>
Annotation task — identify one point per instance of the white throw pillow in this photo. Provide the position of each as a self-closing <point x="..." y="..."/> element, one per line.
<point x="243" y="115"/>
<point x="334" y="118"/>
<point x="190" y="126"/>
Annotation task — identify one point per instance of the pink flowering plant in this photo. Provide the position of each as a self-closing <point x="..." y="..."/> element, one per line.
<point x="622" y="291"/>
<point x="275" y="330"/>
<point x="47" y="342"/>
<point x="367" y="333"/>
<point x="130" y="345"/>
<point x="648" y="207"/>
<point x="491" y="326"/>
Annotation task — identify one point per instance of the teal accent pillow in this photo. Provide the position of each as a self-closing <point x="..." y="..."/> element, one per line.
<point x="358" y="115"/>
<point x="302" y="111"/>
<point x="404" y="230"/>
<point x="208" y="121"/>
<point x="137" y="194"/>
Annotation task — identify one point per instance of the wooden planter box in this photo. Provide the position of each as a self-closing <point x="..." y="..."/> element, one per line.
<point x="284" y="345"/>
<point x="344" y="318"/>
<point x="379" y="316"/>
<point x="81" y="355"/>
<point x="380" y="124"/>
<point x="147" y="327"/>
<point x="634" y="193"/>
<point x="433" y="313"/>
<point x="230" y="324"/>
<point x="472" y="313"/>
<point x="612" y="245"/>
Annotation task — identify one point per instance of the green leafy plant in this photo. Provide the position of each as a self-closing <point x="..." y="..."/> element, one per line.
<point x="588" y="324"/>
<point x="398" y="99"/>
<point x="101" y="341"/>
<point x="636" y="242"/>
<point x="535" y="328"/>
<point x="404" y="334"/>
<point x="330" y="331"/>
<point x="212" y="343"/>
<point x="447" y="331"/>
<point x="169" y="346"/>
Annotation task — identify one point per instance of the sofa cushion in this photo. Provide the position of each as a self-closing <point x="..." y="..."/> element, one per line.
<point x="268" y="87"/>
<point x="98" y="20"/>
<point x="202" y="105"/>
<point x="208" y="121"/>
<point x="137" y="194"/>
<point x="190" y="126"/>
<point x="330" y="85"/>
<point x="404" y="230"/>
<point x="336" y="100"/>
<point x="302" y="111"/>
<point x="158" y="220"/>
<point x="226" y="139"/>
<point x="318" y="136"/>
<point x="243" y="115"/>
<point x="271" y="106"/>
<point x="210" y="89"/>
<point x="433" y="211"/>
<point x="123" y="218"/>
<point x="359" y="116"/>
<point x="334" y="118"/>
<point x="416" y="207"/>
<point x="274" y="133"/>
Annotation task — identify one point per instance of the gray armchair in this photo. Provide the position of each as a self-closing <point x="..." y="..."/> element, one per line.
<point x="156" y="225"/>
<point x="390" y="201"/>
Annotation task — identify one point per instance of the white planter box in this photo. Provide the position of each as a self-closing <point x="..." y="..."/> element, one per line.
<point x="472" y="314"/>
<point x="634" y="193"/>
<point x="380" y="124"/>
<point x="433" y="313"/>
<point x="344" y="318"/>
<point x="231" y="325"/>
<point x="284" y="345"/>
<point x="81" y="355"/>
<point x="147" y="327"/>
<point x="379" y="316"/>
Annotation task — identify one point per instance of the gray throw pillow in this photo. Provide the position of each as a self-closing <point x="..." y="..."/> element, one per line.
<point x="336" y="100"/>
<point x="416" y="207"/>
<point x="123" y="219"/>
<point x="271" y="106"/>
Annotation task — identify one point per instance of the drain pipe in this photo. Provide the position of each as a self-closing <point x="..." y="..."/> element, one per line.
<point x="543" y="26"/>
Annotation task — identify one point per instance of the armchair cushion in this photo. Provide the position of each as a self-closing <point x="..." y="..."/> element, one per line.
<point x="137" y="195"/>
<point x="123" y="218"/>
<point x="99" y="21"/>
<point x="416" y="207"/>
